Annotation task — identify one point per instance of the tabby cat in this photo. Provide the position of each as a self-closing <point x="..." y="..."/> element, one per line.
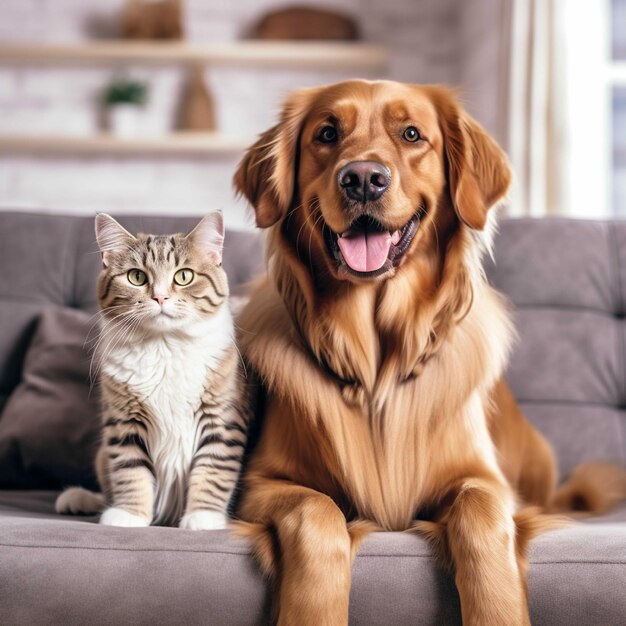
<point x="173" y="433"/>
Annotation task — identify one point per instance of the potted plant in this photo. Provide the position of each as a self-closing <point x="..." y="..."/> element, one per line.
<point x="123" y="100"/>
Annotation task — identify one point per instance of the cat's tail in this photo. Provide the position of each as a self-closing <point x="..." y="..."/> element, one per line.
<point x="79" y="501"/>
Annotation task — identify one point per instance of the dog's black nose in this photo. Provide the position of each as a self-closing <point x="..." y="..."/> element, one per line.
<point x="364" y="180"/>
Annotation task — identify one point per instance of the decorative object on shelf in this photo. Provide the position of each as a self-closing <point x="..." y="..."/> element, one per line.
<point x="123" y="100"/>
<point x="152" y="19"/>
<point x="197" y="111"/>
<point x="302" y="22"/>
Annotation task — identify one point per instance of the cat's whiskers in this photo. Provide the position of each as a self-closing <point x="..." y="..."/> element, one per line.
<point x="102" y="355"/>
<point x="110" y="333"/>
<point x="120" y="330"/>
<point x="108" y="325"/>
<point x="102" y="318"/>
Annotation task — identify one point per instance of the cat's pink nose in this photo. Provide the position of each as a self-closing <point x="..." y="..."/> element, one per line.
<point x="160" y="299"/>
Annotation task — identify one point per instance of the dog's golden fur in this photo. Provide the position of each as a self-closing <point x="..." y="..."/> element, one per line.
<point x="384" y="399"/>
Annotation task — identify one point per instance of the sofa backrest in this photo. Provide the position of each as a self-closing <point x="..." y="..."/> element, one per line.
<point x="565" y="278"/>
<point x="567" y="281"/>
<point x="54" y="259"/>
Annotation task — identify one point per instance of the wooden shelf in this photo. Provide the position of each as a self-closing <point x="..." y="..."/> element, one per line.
<point x="258" y="53"/>
<point x="174" y="144"/>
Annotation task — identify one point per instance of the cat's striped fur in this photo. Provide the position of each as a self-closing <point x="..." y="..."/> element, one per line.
<point x="173" y="428"/>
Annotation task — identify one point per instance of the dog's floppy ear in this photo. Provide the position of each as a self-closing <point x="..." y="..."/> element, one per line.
<point x="266" y="174"/>
<point x="478" y="170"/>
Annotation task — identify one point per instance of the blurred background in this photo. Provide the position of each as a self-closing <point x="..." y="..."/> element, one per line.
<point x="145" y="106"/>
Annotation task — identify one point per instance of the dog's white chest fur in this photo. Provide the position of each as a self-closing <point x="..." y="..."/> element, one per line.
<point x="169" y="375"/>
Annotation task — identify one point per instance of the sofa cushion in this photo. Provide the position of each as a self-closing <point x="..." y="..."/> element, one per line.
<point x="567" y="282"/>
<point x="66" y="570"/>
<point x="49" y="428"/>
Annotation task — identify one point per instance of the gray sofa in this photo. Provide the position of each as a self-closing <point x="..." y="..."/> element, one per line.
<point x="567" y="280"/>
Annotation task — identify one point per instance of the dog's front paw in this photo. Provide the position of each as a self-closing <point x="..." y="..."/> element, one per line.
<point x="204" y="520"/>
<point x="119" y="517"/>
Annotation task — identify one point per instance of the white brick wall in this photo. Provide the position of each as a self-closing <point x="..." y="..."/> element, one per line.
<point x="422" y="35"/>
<point x="129" y="185"/>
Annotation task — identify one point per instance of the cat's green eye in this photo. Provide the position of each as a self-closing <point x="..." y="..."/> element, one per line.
<point x="137" y="277"/>
<point x="183" y="277"/>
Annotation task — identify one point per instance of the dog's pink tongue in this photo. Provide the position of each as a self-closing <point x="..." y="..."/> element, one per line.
<point x="365" y="250"/>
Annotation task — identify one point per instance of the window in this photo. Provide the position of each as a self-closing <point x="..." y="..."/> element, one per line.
<point x="594" y="128"/>
<point x="617" y="87"/>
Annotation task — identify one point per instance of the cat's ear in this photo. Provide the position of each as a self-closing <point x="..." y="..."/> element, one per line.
<point x="111" y="237"/>
<point x="208" y="236"/>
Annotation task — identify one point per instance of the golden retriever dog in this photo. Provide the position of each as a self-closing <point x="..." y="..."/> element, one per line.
<point x="380" y="347"/>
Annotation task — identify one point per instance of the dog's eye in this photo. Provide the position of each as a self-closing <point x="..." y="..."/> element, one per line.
<point x="410" y="134"/>
<point x="328" y="134"/>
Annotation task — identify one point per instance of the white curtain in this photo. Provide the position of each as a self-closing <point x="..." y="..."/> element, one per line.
<point x="538" y="109"/>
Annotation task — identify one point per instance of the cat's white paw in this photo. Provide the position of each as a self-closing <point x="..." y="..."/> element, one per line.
<point x="119" y="517"/>
<point x="78" y="500"/>
<point x="204" y="520"/>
